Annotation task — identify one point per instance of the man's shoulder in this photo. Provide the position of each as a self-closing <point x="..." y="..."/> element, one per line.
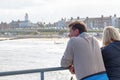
<point x="94" y="38"/>
<point x="75" y="38"/>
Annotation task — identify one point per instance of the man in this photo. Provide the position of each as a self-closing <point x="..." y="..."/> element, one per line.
<point x="83" y="54"/>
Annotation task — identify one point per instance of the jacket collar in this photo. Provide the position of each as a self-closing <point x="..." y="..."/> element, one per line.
<point x="84" y="34"/>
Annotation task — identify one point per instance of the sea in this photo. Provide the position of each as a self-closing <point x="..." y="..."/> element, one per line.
<point x="33" y="53"/>
<point x="24" y="54"/>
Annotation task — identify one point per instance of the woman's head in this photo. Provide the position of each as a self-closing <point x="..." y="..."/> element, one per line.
<point x="110" y="34"/>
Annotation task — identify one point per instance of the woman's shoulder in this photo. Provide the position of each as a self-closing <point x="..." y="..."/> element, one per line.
<point x="111" y="46"/>
<point x="106" y="48"/>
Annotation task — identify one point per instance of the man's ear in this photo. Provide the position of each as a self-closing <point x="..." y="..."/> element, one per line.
<point x="77" y="32"/>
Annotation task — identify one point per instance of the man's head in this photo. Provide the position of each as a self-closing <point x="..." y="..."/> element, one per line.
<point x="76" y="28"/>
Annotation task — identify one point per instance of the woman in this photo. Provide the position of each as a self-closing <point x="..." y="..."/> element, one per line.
<point x="111" y="52"/>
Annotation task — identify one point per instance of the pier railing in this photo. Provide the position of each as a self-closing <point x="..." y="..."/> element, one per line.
<point x="41" y="71"/>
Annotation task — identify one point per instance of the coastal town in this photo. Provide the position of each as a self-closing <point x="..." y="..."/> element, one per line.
<point x="26" y="28"/>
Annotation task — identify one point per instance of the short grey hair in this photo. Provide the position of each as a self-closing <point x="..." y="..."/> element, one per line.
<point x="110" y="34"/>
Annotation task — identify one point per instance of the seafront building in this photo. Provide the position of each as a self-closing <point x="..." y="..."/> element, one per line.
<point x="101" y="22"/>
<point x="93" y="23"/>
<point x="21" y="24"/>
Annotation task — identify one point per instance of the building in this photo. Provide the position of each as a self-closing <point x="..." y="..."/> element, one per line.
<point x="101" y="22"/>
<point x="21" y="24"/>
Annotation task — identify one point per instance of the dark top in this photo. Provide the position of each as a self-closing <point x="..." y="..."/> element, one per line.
<point x="111" y="57"/>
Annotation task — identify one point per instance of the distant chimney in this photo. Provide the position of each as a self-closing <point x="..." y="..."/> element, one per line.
<point x="110" y="16"/>
<point x="114" y="15"/>
<point x="71" y="18"/>
<point x="62" y="19"/>
<point x="101" y="16"/>
<point x="78" y="18"/>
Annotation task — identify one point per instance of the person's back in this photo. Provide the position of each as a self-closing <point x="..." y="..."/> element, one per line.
<point x="87" y="57"/>
<point x="111" y="56"/>
<point x="83" y="55"/>
<point x="111" y="52"/>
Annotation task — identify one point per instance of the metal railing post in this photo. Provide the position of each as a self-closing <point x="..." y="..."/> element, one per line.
<point x="42" y="75"/>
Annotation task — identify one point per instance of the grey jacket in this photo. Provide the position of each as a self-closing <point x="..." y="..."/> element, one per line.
<point x="85" y="54"/>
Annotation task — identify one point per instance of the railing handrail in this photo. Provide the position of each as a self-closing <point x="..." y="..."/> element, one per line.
<point x="42" y="70"/>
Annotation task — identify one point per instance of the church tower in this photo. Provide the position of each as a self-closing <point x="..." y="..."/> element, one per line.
<point x="26" y="17"/>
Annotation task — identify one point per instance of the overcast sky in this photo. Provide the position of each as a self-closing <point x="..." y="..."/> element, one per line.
<point x="54" y="10"/>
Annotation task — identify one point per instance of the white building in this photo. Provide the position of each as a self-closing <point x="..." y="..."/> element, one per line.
<point x="26" y="23"/>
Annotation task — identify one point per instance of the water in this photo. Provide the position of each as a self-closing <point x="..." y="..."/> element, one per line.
<point x="31" y="54"/>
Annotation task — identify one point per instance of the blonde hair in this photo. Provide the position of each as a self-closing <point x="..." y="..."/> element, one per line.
<point x="110" y="34"/>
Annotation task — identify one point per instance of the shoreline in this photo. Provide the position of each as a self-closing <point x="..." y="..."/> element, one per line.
<point x="55" y="37"/>
<point x="31" y="37"/>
